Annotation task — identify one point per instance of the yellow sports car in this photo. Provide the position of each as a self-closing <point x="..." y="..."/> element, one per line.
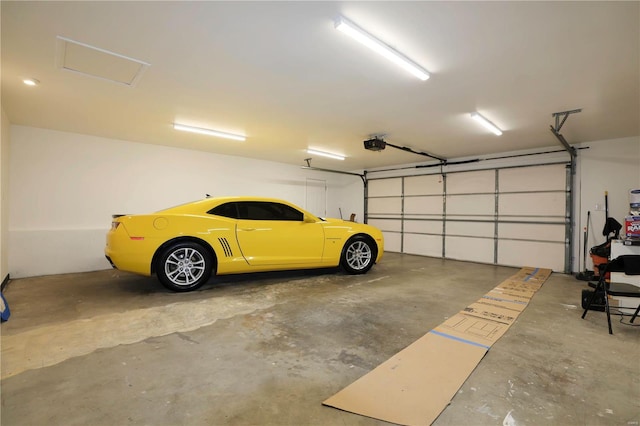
<point x="184" y="245"/>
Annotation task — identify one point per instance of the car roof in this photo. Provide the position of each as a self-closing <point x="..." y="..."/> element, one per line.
<point x="206" y="204"/>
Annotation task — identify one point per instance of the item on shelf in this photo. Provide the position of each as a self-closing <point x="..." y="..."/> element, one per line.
<point x="634" y="202"/>
<point x="632" y="226"/>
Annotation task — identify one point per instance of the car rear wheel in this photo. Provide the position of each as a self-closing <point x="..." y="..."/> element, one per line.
<point x="184" y="266"/>
<point x="358" y="255"/>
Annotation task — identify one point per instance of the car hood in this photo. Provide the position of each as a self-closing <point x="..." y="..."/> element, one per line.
<point x="340" y="221"/>
<point x="331" y="219"/>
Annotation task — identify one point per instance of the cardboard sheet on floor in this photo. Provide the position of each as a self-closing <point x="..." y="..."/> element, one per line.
<point x="416" y="384"/>
<point x="406" y="389"/>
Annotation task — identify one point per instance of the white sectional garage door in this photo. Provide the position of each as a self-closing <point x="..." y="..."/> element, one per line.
<point x="510" y="216"/>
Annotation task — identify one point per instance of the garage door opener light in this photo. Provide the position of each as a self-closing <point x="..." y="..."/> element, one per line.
<point x="486" y="123"/>
<point x="209" y="132"/>
<point x="326" y="154"/>
<point x="380" y="47"/>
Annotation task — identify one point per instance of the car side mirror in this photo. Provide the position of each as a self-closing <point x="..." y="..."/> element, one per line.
<point x="309" y="219"/>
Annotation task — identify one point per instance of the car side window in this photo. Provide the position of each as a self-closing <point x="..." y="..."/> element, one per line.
<point x="226" y="210"/>
<point x="263" y="210"/>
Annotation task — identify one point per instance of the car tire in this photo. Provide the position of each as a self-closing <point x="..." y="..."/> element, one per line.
<point x="184" y="266"/>
<point x="358" y="255"/>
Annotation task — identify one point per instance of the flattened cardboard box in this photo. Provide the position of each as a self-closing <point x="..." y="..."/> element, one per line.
<point x="493" y="313"/>
<point x="415" y="385"/>
<point x="500" y="293"/>
<point x="518" y="288"/>
<point x="468" y="328"/>
<point x="531" y="274"/>
<point x="505" y="303"/>
<point x="407" y="389"/>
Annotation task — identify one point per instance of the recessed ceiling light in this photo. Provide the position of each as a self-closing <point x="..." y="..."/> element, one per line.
<point x="486" y="123"/>
<point x="31" y="81"/>
<point x="208" y="132"/>
<point x="357" y="33"/>
<point x="326" y="154"/>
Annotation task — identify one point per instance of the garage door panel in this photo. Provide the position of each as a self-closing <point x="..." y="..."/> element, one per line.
<point x="473" y="229"/>
<point x="385" y="187"/>
<point x="387" y="205"/>
<point x="424" y="217"/>
<point x="423" y="226"/>
<point x="425" y="245"/>
<point x="532" y="231"/>
<point x="530" y="253"/>
<point x="471" y="182"/>
<point x="540" y="204"/>
<point x="392" y="241"/>
<point x="482" y="204"/>
<point x="423" y="205"/>
<point x="532" y="219"/>
<point x="472" y="249"/>
<point x="423" y="185"/>
<point x="394" y="225"/>
<point x="534" y="178"/>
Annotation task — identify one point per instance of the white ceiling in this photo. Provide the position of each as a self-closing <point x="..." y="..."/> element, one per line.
<point x="281" y="74"/>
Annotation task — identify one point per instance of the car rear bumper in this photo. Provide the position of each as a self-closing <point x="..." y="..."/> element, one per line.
<point x="126" y="254"/>
<point x="113" y="265"/>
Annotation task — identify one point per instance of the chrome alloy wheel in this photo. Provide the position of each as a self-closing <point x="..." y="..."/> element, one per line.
<point x="358" y="255"/>
<point x="184" y="266"/>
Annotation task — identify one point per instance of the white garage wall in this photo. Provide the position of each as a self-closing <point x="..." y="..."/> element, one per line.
<point x="4" y="196"/>
<point x="64" y="188"/>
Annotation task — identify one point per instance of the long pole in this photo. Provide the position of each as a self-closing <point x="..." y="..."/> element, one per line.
<point x="586" y="241"/>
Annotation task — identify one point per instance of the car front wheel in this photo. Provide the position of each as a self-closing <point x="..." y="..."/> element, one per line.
<point x="184" y="266"/>
<point x="358" y="255"/>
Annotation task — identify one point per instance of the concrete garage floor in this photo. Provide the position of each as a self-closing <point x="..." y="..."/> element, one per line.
<point x="110" y="348"/>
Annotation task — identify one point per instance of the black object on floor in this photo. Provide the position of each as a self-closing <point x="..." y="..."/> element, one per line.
<point x="598" y="303"/>
<point x="586" y="276"/>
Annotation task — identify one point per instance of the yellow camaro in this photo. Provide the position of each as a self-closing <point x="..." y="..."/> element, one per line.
<point x="184" y="245"/>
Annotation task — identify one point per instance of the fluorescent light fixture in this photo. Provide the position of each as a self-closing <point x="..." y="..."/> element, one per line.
<point x="326" y="154"/>
<point x="30" y="81"/>
<point x="486" y="123"/>
<point x="380" y="47"/>
<point x="209" y="132"/>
